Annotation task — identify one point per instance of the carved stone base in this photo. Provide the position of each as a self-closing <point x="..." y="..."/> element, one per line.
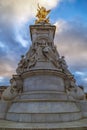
<point x="76" y="125"/>
<point x="44" y="99"/>
<point x="43" y="85"/>
<point x="43" y="111"/>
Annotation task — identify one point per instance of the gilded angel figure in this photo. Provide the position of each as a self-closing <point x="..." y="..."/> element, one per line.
<point x="42" y="14"/>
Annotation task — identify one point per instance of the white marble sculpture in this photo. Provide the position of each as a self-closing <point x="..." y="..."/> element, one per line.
<point x="43" y="90"/>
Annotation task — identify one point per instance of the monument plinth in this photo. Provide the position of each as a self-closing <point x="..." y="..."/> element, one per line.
<point x="44" y="90"/>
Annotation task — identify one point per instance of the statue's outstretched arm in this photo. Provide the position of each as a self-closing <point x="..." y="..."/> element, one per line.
<point x="39" y="6"/>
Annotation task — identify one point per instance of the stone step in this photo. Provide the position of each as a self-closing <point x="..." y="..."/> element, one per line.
<point x="44" y="117"/>
<point x="41" y="100"/>
<point x="42" y="95"/>
<point x="73" y="125"/>
<point x="43" y="107"/>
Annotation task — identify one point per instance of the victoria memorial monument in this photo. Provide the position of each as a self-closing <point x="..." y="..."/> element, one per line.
<point x="43" y="93"/>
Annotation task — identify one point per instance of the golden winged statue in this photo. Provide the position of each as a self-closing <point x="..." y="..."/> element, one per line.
<point x="42" y="15"/>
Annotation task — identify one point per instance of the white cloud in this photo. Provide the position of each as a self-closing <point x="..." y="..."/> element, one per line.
<point x="20" y="39"/>
<point x="71" y="41"/>
<point x="2" y="45"/>
<point x="85" y="79"/>
<point x="80" y="73"/>
<point x="1" y="78"/>
<point x="16" y="13"/>
<point x="60" y="26"/>
<point x="19" y="11"/>
<point x="4" y="81"/>
<point x="6" y="70"/>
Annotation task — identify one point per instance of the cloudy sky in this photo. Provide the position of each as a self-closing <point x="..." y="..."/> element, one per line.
<point x="70" y="18"/>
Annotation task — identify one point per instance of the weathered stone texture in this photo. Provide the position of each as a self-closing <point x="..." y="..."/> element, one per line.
<point x="45" y="89"/>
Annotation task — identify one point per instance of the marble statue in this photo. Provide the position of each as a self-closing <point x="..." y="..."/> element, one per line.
<point x="64" y="65"/>
<point x="43" y="90"/>
<point x="31" y="57"/>
<point x="51" y="55"/>
<point x="12" y="91"/>
<point x="21" y="65"/>
<point x="75" y="91"/>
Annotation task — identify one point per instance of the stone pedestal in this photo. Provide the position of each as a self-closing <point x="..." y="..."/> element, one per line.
<point x="4" y="106"/>
<point x="83" y="107"/>
<point x="42" y="83"/>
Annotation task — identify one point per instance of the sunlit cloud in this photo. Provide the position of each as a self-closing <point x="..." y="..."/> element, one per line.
<point x="2" y="45"/>
<point x="71" y="41"/>
<point x="15" y="16"/>
<point x="4" y="81"/>
<point x="80" y="73"/>
<point x="1" y="78"/>
<point x="85" y="79"/>
<point x="6" y="70"/>
<point x="23" y="42"/>
<point x="24" y="10"/>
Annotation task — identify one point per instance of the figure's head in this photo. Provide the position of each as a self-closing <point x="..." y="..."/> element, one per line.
<point x="43" y="8"/>
<point x="63" y="57"/>
<point x="22" y="56"/>
<point x="72" y="79"/>
<point x="11" y="80"/>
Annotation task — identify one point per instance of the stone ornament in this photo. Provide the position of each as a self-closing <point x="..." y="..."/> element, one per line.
<point x="64" y="65"/>
<point x="21" y="65"/>
<point x="11" y="92"/>
<point x="43" y="90"/>
<point x="39" y="51"/>
<point x="51" y="55"/>
<point x="75" y="91"/>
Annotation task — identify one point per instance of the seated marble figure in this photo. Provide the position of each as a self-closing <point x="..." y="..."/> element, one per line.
<point x="12" y="91"/>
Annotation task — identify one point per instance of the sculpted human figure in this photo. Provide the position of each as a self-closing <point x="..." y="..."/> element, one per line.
<point x="40" y="55"/>
<point x="12" y="91"/>
<point x="35" y="54"/>
<point x="31" y="58"/>
<point x="21" y="65"/>
<point x="49" y="53"/>
<point x="16" y="85"/>
<point x="74" y="91"/>
<point x="28" y="53"/>
<point x="56" y="52"/>
<point x="63" y="65"/>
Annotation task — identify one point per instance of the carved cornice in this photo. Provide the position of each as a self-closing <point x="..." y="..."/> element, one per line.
<point x="43" y="72"/>
<point x="42" y="28"/>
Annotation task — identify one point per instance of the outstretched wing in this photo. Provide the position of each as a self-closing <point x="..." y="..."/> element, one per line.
<point x="38" y="6"/>
<point x="48" y="11"/>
